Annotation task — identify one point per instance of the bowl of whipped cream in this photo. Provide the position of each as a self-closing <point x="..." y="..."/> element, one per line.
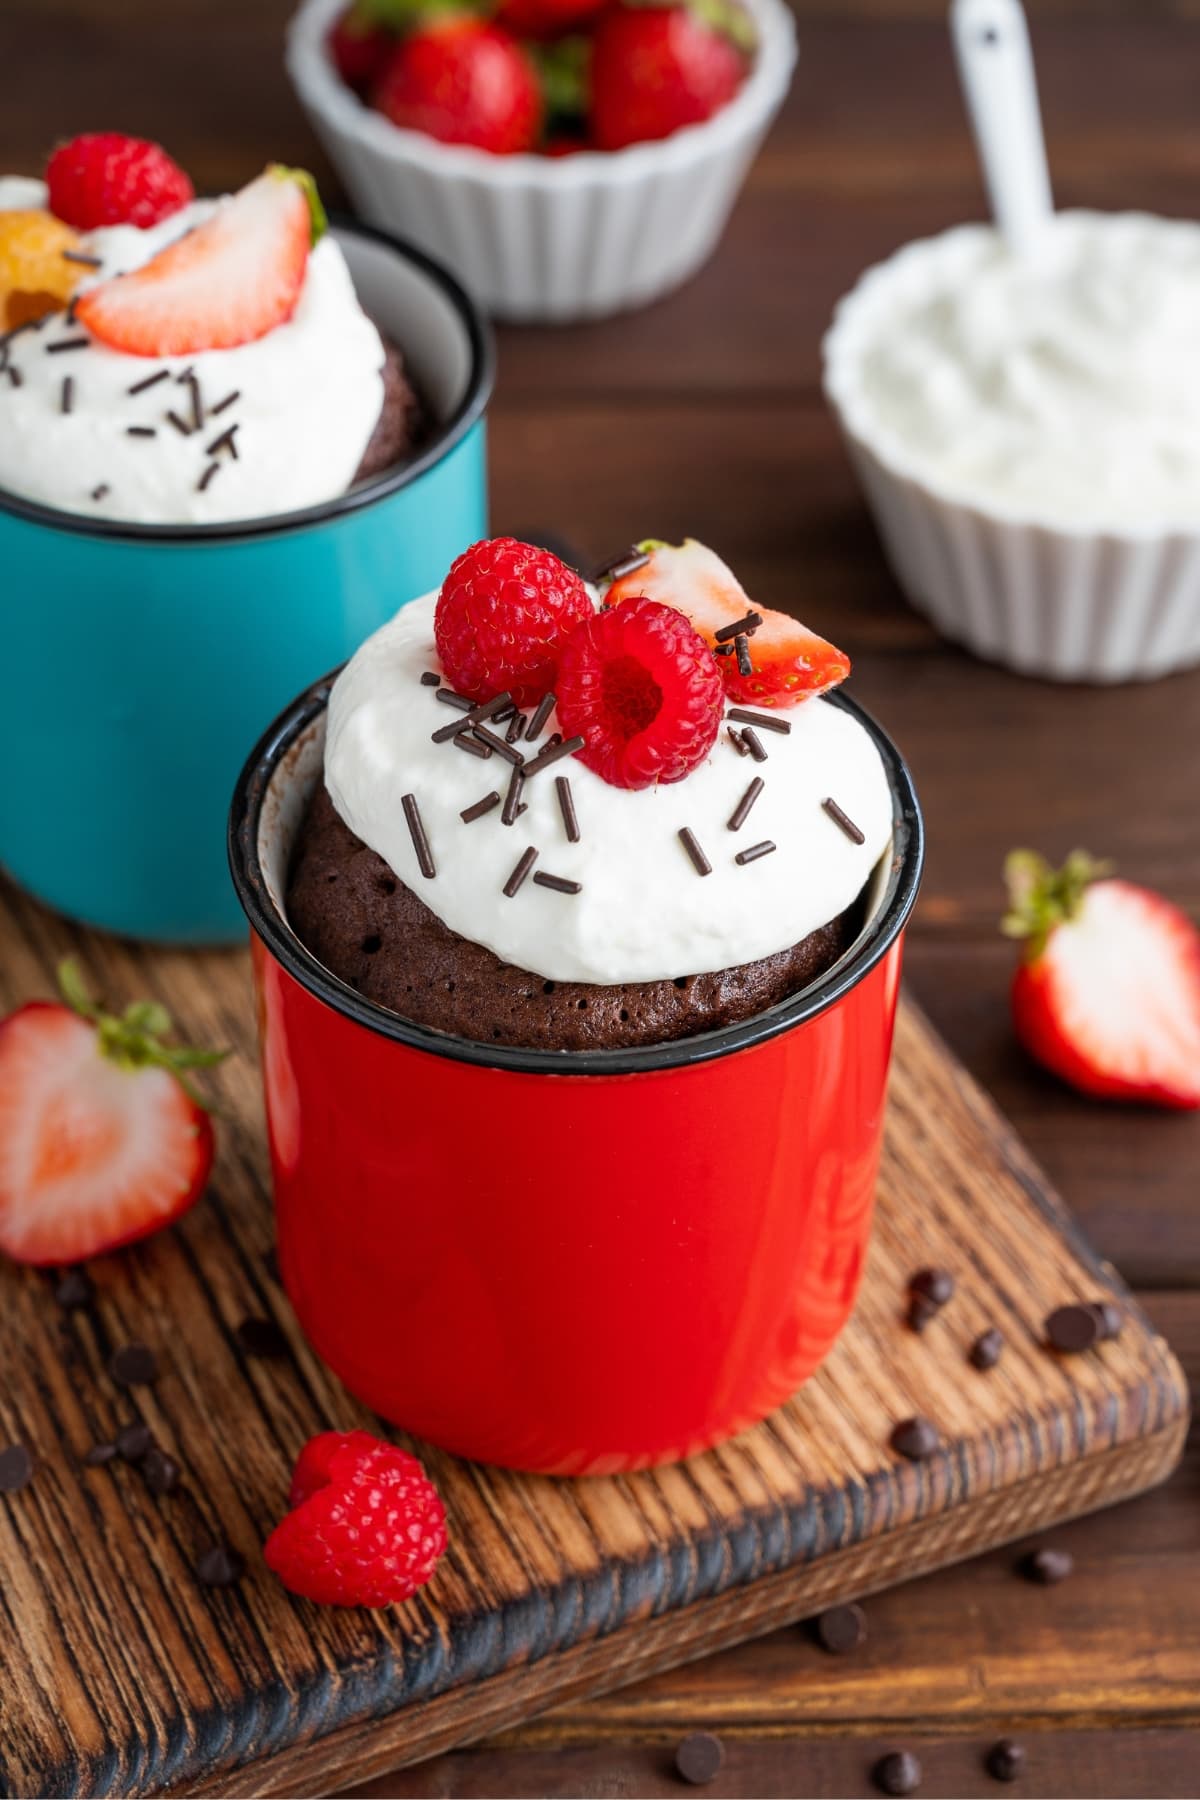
<point x="1027" y="432"/>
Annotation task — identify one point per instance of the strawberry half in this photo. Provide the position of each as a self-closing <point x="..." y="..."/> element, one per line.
<point x="788" y="662"/>
<point x="1108" y="995"/>
<point x="230" y="281"/>
<point x="102" y="1138"/>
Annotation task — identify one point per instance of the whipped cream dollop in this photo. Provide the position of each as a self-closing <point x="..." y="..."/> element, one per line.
<point x="309" y="395"/>
<point x="1064" y="386"/>
<point x="643" y="913"/>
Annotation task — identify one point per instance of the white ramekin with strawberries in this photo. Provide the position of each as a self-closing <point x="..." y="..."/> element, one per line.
<point x="567" y="158"/>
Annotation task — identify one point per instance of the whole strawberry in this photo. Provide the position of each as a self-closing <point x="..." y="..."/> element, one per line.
<point x="358" y="46"/>
<point x="1107" y="994"/>
<point x="105" y="178"/>
<point x="502" y="617"/>
<point x="102" y="1138"/>
<point x="547" y="18"/>
<point x="656" y="69"/>
<point x="367" y="1526"/>
<point x="465" y="82"/>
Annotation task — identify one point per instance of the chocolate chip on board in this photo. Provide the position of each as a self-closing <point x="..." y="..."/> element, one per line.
<point x="916" y="1439"/>
<point x="987" y="1349"/>
<point x="99" y="1454"/>
<point x="16" y="1468"/>
<point x="73" y="1290"/>
<point x="898" y="1772"/>
<point x="699" y="1758"/>
<point x="841" y="1629"/>
<point x="933" y="1284"/>
<point x="133" y="1365"/>
<point x="1073" y="1329"/>
<point x="133" y="1442"/>
<point x="160" y="1472"/>
<point x="922" y="1311"/>
<point x="1005" y="1760"/>
<point x="220" y="1566"/>
<point x="262" y="1337"/>
<point x="1048" y="1567"/>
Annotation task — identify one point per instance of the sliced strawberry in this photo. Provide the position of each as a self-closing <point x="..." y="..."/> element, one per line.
<point x="228" y="282"/>
<point x="1108" y="995"/>
<point x="101" y="1139"/>
<point x="788" y="662"/>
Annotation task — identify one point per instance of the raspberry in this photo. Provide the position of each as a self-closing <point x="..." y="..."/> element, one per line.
<point x="503" y="614"/>
<point x="367" y="1525"/>
<point x="641" y="687"/>
<point x="105" y="178"/>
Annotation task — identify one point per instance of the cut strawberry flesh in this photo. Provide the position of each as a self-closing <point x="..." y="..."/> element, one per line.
<point x="230" y="281"/>
<point x="788" y="662"/>
<point x="91" y="1155"/>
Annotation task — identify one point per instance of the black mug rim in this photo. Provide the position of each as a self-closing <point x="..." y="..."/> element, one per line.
<point x="376" y="488"/>
<point x="873" y="943"/>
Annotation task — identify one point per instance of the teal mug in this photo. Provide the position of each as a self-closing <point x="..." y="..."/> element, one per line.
<point x="139" y="662"/>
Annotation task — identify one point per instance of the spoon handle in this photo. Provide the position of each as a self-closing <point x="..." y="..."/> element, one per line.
<point x="995" y="67"/>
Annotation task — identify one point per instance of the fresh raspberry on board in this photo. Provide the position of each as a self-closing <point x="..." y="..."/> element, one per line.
<point x="105" y="178"/>
<point x="232" y="280"/>
<point x="367" y="1526"/>
<point x="641" y="688"/>
<point x="656" y="69"/>
<point x="502" y="616"/>
<point x="788" y="662"/>
<point x="1108" y="993"/>
<point x="103" y="1140"/>
<point x="359" y="47"/>
<point x="465" y="82"/>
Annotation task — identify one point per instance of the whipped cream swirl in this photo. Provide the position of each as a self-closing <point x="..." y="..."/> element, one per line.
<point x="643" y="912"/>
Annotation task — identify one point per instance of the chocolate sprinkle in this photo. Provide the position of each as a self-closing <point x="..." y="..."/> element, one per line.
<point x="431" y="678"/>
<point x="480" y="807"/>
<point x="626" y="562"/>
<point x="261" y="1337"/>
<point x="222" y="404"/>
<point x="80" y="257"/>
<point x="515" y="880"/>
<point x="537" y="724"/>
<point x="133" y="1365"/>
<point x="487" y="709"/>
<point x="74" y="1290"/>
<point x="768" y="721"/>
<point x="220" y="1566"/>
<point x="754" y="852"/>
<point x="502" y="748"/>
<point x="741" y="811"/>
<point x="566" y="802"/>
<point x="98" y="1455"/>
<point x="148" y="381"/>
<point x="516" y="726"/>
<point x="987" y="1350"/>
<point x="416" y="832"/>
<point x="98" y="493"/>
<point x="558" y="883"/>
<point x="700" y="862"/>
<point x="143" y="431"/>
<point x="512" y="799"/>
<point x="181" y="425"/>
<point x="212" y="469"/>
<point x="226" y="441"/>
<point x="15" y="377"/>
<point x="553" y="753"/>
<point x="740" y="628"/>
<point x="737" y="740"/>
<point x="188" y="380"/>
<point x="134" y="1442"/>
<point x="915" y="1438"/>
<point x="741" y="644"/>
<point x="16" y="1469"/>
<point x="471" y="745"/>
<point x="448" y="697"/>
<point x="68" y="393"/>
<point x="699" y="1758"/>
<point x="847" y="824"/>
<point x="753" y="743"/>
<point x="723" y="650"/>
<point x="75" y="343"/>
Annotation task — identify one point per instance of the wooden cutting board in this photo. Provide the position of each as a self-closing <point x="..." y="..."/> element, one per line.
<point x="123" y="1675"/>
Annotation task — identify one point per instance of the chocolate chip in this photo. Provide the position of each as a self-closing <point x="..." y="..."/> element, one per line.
<point x="1110" y="1318"/>
<point x="1072" y="1329"/>
<point x="916" y="1439"/>
<point x="133" y="1365"/>
<point x="73" y="1290"/>
<point x="99" y="1454"/>
<point x="933" y="1284"/>
<point x="699" y="1758"/>
<point x="842" y="1629"/>
<point x="921" y="1312"/>
<point x="1048" y="1567"/>
<point x="1005" y="1760"/>
<point x="898" y="1772"/>
<point x="220" y="1566"/>
<point x="987" y="1349"/>
<point x="133" y="1442"/>
<point x="160" y="1472"/>
<point x="262" y="1337"/>
<point x="16" y="1468"/>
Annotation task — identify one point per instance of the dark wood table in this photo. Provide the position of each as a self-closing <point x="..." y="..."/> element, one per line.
<point x="704" y="415"/>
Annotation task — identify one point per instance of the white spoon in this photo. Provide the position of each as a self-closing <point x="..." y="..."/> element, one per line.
<point x="995" y="67"/>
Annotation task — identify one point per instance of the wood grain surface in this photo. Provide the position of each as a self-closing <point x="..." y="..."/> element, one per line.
<point x="703" y="413"/>
<point x="125" y="1675"/>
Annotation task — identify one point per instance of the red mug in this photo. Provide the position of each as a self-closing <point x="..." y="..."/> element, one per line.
<point x="569" y="1262"/>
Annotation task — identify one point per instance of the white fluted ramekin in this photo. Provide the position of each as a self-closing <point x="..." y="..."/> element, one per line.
<point x="548" y="238"/>
<point x="1067" y="603"/>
